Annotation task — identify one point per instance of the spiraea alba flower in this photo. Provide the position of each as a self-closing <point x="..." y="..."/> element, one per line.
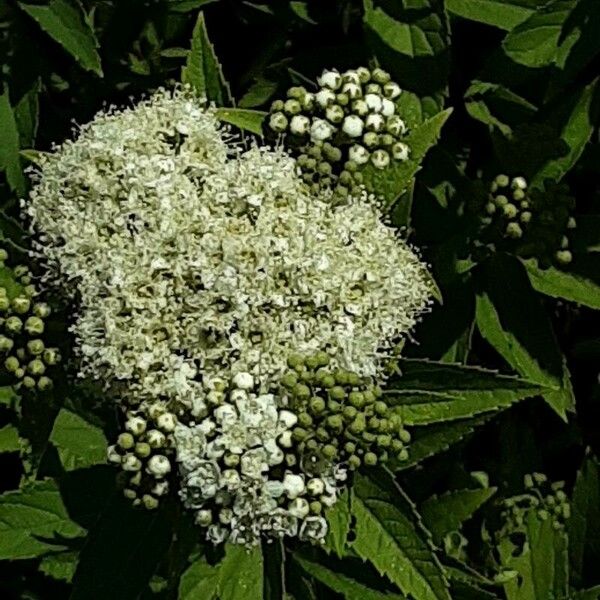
<point x="198" y="268"/>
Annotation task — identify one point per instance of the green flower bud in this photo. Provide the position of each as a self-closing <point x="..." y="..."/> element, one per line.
<point x="349" y="413"/>
<point x="350" y="447"/>
<point x="525" y="217"/>
<point x="296" y="92"/>
<point x="13" y="324"/>
<point x="371" y="139"/>
<point x="510" y="210"/>
<point x="21" y="305"/>
<point x="292" y="107"/>
<point x="403" y="455"/>
<point x="385" y="139"/>
<point x="564" y="257"/>
<point x="6" y="344"/>
<point x="295" y="360"/>
<point x="28" y="382"/>
<point x="335" y="422"/>
<point x="317" y="405"/>
<point x="277" y="106"/>
<point x="316" y="507"/>
<point x="4" y="303"/>
<point x="3" y="254"/>
<point x="34" y="326"/>
<point x="380" y="159"/>
<point x="513" y="230"/>
<point x="354" y="462"/>
<point x="36" y="367"/>
<point x="142" y="449"/>
<point x="329" y="451"/>
<point x="357" y="426"/>
<point x="373" y="423"/>
<point x="500" y="201"/>
<point x="289" y="380"/>
<point x="299" y="434"/>
<point x="322" y="434"/>
<point x="44" y="383"/>
<point x="370" y="459"/>
<point x="381" y="407"/>
<point x="129" y="494"/>
<point x="301" y="391"/>
<point x="126" y="441"/>
<point x="21" y="354"/>
<point x="360" y="107"/>
<point x="35" y="347"/>
<point x="404" y="436"/>
<point x="332" y="154"/>
<point x="380" y="76"/>
<point x="373" y="88"/>
<point x="337" y="392"/>
<point x="384" y="440"/>
<point x="335" y="114"/>
<point x="11" y="364"/>
<point x="149" y="502"/>
<point x="502" y="180"/>
<point x="343" y="98"/>
<point x="278" y="122"/>
<point x="518" y="194"/>
<point x="231" y="460"/>
<point x="305" y="419"/>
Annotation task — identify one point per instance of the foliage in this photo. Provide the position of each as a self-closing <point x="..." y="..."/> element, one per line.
<point x="503" y="380"/>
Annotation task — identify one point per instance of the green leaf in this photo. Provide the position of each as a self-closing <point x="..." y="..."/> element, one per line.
<point x="66" y="23"/>
<point x="576" y="131"/>
<point x="8" y="396"/>
<point x="60" y="566"/>
<point x="243" y="118"/>
<point x="446" y="513"/>
<point x="584" y="524"/>
<point x="429" y="392"/>
<point x="391" y="182"/>
<point x="589" y="594"/>
<point x="183" y="6"/>
<point x="241" y="574"/>
<point x="437" y="438"/>
<point x="26" y="115"/>
<point x="388" y="538"/>
<point x="535" y="41"/>
<point x="10" y="162"/>
<point x="9" y="439"/>
<point x="200" y="580"/>
<point x="122" y="552"/>
<point x="564" y="284"/>
<point x="338" y="518"/>
<point x="31" y="518"/>
<point x="411" y="40"/>
<point x="79" y="443"/>
<point x="505" y="14"/>
<point x="202" y="70"/>
<point x="258" y="93"/>
<point x="512" y="319"/>
<point x="349" y="588"/>
<point x="536" y="564"/>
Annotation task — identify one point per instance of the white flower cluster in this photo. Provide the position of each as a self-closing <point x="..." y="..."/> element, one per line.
<point x="192" y="261"/>
<point x="236" y="475"/>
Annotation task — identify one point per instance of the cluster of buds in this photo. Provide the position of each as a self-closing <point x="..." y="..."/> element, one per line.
<point x="351" y="121"/>
<point x="548" y="500"/>
<point x="240" y="471"/>
<point x="26" y="358"/>
<point x="528" y="222"/>
<point x="341" y="416"/>
<point x="142" y="451"/>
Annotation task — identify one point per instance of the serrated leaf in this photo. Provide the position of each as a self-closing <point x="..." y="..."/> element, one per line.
<point x="535" y="41"/>
<point x="349" y="588"/>
<point x="9" y="439"/>
<point x="429" y="392"/>
<point x="564" y="284"/>
<point x="512" y="319"/>
<point x="121" y="552"/>
<point x="60" y="566"/>
<point x="241" y="574"/>
<point x="584" y="524"/>
<point x="31" y="518"/>
<point x="411" y="40"/>
<point x="446" y="513"/>
<point x="392" y="181"/>
<point x="10" y="162"/>
<point x="26" y="115"/>
<point x="202" y="70"/>
<point x="536" y="564"/>
<point x="79" y="443"/>
<point x="200" y="580"/>
<point x="505" y="14"/>
<point x="338" y="518"/>
<point x="66" y="23"/>
<point x="243" y="118"/>
<point x="435" y="439"/>
<point x="576" y="130"/>
<point x="388" y="537"/>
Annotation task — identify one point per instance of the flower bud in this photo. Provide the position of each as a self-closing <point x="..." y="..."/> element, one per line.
<point x="400" y="151"/>
<point x="380" y="159"/>
<point x="370" y="459"/>
<point x="142" y="449"/>
<point x="387" y="107"/>
<point x="149" y="502"/>
<point x="44" y="383"/>
<point x="156" y="439"/>
<point x="204" y="518"/>
<point x="278" y="122"/>
<point x="352" y="90"/>
<point x="330" y="79"/>
<point x="292" y="107"/>
<point x="325" y="97"/>
<point x="131" y="463"/>
<point x="35" y="347"/>
<point x="300" y="125"/>
<point x="358" y="154"/>
<point x="299" y="507"/>
<point x="13" y="324"/>
<point x="391" y="90"/>
<point x="6" y="344"/>
<point x="373" y="102"/>
<point x="513" y="230"/>
<point x="159" y="465"/>
<point x="125" y="441"/>
<point x="135" y="425"/>
<point x="11" y="364"/>
<point x="167" y="422"/>
<point x="34" y="326"/>
<point x="21" y="305"/>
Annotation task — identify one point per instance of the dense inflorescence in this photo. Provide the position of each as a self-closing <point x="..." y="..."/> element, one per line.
<point x="341" y="416"/>
<point x="26" y="358"/>
<point x="528" y="222"/>
<point x="349" y="122"/>
<point x="547" y="500"/>
<point x="199" y="268"/>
